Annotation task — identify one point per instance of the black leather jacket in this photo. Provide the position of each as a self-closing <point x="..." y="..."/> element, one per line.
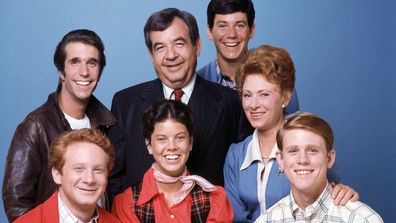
<point x="27" y="176"/>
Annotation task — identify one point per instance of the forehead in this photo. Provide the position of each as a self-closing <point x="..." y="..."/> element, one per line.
<point x="85" y="152"/>
<point x="177" y="29"/>
<point x="231" y="17"/>
<point x="79" y="49"/>
<point x="303" y="137"/>
<point x="169" y="126"/>
<point x="258" y="81"/>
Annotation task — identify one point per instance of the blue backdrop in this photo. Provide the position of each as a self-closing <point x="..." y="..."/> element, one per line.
<point x="344" y="52"/>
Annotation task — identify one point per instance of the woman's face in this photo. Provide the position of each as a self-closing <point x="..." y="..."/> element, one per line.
<point x="170" y="146"/>
<point x="262" y="102"/>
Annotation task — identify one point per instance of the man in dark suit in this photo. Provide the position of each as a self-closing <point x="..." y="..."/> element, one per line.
<point x="173" y="42"/>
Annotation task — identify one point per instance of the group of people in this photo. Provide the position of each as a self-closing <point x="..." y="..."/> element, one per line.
<point x="168" y="146"/>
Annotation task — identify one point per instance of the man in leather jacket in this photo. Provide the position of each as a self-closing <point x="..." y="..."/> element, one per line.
<point x="79" y="59"/>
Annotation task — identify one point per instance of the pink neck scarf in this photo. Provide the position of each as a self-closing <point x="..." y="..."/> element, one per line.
<point x="188" y="183"/>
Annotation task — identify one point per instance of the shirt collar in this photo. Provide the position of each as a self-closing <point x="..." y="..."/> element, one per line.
<point x="65" y="216"/>
<point x="186" y="89"/>
<point x="253" y="152"/>
<point x="319" y="208"/>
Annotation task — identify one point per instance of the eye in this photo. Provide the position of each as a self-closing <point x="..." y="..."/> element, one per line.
<point x="241" y="25"/>
<point x="246" y="95"/>
<point x="160" y="139"/>
<point x="78" y="169"/>
<point x="99" y="170"/>
<point x="264" y="95"/>
<point x="179" y="44"/>
<point x="159" y="48"/>
<point x="92" y="63"/>
<point x="292" y="151"/>
<point x="314" y="151"/>
<point x="74" y="61"/>
<point x="180" y="137"/>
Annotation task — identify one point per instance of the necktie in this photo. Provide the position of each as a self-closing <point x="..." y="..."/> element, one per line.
<point x="178" y="94"/>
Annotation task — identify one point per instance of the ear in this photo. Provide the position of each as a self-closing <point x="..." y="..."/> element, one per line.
<point x="331" y="155"/>
<point x="150" y="52"/>
<point x="279" y="159"/>
<point x="209" y="32"/>
<point x="57" y="176"/>
<point x="148" y="146"/>
<point x="62" y="75"/>
<point x="286" y="96"/>
<point x="252" y="31"/>
<point x="198" y="47"/>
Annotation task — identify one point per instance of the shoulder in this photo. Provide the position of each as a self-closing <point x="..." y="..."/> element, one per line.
<point x="105" y="216"/>
<point x="279" y="211"/>
<point x="360" y="211"/>
<point x="216" y="90"/>
<point x="125" y="197"/>
<point x="239" y="149"/>
<point x="208" y="71"/>
<point x="127" y="92"/>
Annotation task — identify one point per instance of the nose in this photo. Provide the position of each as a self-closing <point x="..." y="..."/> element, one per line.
<point x="88" y="177"/>
<point x="303" y="158"/>
<point x="171" y="53"/>
<point x="84" y="69"/>
<point x="254" y="103"/>
<point x="231" y="32"/>
<point x="172" y="145"/>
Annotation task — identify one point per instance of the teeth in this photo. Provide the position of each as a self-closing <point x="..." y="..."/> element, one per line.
<point x="172" y="157"/>
<point x="231" y="44"/>
<point x="84" y="83"/>
<point x="303" y="172"/>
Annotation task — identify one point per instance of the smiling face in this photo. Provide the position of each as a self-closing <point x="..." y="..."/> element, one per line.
<point x="81" y="74"/>
<point x="83" y="178"/>
<point x="305" y="160"/>
<point x="174" y="55"/>
<point x="262" y="102"/>
<point x="170" y="146"/>
<point x="231" y="34"/>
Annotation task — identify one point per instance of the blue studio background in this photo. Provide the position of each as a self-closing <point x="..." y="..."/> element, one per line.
<point x="344" y="53"/>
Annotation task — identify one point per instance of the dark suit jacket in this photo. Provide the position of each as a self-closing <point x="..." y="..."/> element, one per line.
<point x="218" y="122"/>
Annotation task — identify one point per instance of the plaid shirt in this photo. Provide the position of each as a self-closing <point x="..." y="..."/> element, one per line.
<point x="65" y="216"/>
<point x="322" y="210"/>
<point x="224" y="79"/>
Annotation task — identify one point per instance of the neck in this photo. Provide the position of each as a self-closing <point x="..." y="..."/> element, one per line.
<point x="82" y="213"/>
<point x="306" y="198"/>
<point x="73" y="108"/>
<point x="229" y="67"/>
<point x="169" y="189"/>
<point x="267" y="139"/>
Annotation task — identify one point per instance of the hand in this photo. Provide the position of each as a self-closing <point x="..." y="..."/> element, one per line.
<point x="342" y="194"/>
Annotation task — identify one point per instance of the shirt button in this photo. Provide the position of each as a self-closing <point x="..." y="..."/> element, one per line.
<point x="172" y="216"/>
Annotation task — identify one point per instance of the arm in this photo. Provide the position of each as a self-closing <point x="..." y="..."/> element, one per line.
<point x="231" y="180"/>
<point x="22" y="170"/>
<point x="117" y="178"/>
<point x="220" y="207"/>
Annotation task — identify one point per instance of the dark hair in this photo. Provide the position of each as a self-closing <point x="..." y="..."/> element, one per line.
<point x="163" y="110"/>
<point x="61" y="144"/>
<point x="79" y="35"/>
<point x="161" y="20"/>
<point x="224" y="7"/>
<point x="310" y="122"/>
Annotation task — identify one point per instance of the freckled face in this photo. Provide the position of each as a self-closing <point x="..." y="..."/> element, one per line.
<point x="262" y="102"/>
<point x="305" y="161"/>
<point x="83" y="178"/>
<point x="170" y="146"/>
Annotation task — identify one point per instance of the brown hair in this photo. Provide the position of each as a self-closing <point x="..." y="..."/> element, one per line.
<point x="274" y="63"/>
<point x="60" y="145"/>
<point x="310" y="122"/>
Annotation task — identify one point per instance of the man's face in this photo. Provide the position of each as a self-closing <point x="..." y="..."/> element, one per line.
<point x="173" y="54"/>
<point x="83" y="178"/>
<point x="305" y="161"/>
<point x="231" y="34"/>
<point x="81" y="73"/>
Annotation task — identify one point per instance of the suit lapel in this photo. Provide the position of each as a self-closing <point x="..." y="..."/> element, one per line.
<point x="207" y="105"/>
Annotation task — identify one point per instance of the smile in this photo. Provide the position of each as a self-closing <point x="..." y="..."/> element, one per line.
<point x="303" y="172"/>
<point x="83" y="83"/>
<point x="231" y="44"/>
<point x="172" y="157"/>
